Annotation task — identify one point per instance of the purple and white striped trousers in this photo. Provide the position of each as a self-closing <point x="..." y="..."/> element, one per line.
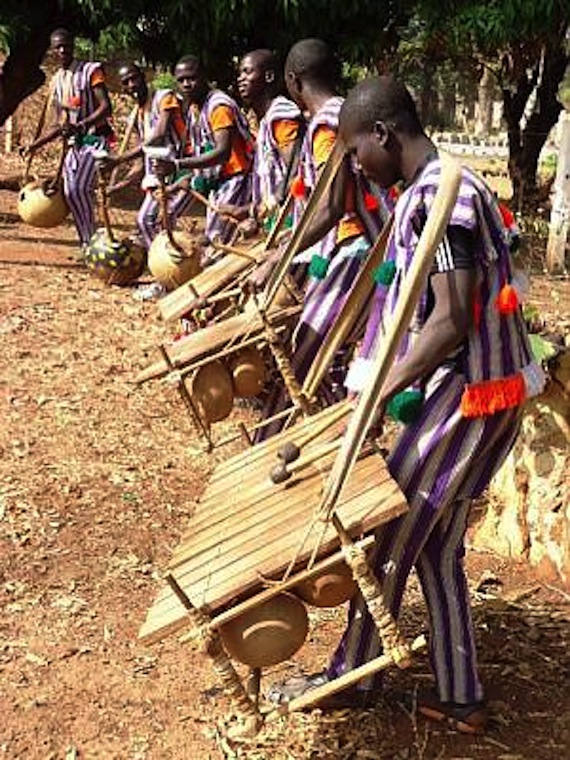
<point x="148" y="217"/>
<point x="441" y="462"/>
<point x="234" y="191"/>
<point x="78" y="187"/>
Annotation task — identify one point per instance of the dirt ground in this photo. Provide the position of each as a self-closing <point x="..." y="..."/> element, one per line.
<point x="98" y="480"/>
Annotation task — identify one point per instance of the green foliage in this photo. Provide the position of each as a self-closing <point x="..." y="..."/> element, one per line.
<point x="164" y="81"/>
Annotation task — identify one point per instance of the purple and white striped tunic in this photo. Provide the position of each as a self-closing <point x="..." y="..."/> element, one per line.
<point x="269" y="167"/>
<point x="232" y="190"/>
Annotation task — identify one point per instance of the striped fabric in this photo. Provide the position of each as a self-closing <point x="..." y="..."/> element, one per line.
<point x="497" y="346"/>
<point x="327" y="116"/>
<point x="269" y="167"/>
<point x="234" y="190"/>
<point x="443" y="460"/>
<point x="147" y="119"/>
<point x="74" y="96"/>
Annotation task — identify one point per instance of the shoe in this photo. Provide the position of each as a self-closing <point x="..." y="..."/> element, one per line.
<point x="349" y="698"/>
<point x="470" y="718"/>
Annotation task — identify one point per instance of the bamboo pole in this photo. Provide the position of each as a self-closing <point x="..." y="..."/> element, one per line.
<point x="361" y="420"/>
<point x="326" y="178"/>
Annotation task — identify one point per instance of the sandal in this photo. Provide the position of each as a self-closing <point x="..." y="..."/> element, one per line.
<point x="470" y="718"/>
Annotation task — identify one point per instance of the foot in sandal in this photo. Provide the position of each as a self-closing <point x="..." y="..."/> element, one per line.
<point x="469" y="718"/>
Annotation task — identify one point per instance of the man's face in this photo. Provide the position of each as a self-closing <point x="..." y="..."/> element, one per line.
<point x="371" y="152"/>
<point x="252" y="79"/>
<point x="192" y="81"/>
<point x="133" y="84"/>
<point x="62" y="47"/>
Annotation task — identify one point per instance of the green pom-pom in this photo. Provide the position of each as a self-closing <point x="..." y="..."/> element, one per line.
<point x="203" y="184"/>
<point x="318" y="267"/>
<point x="406" y="406"/>
<point x="385" y="273"/>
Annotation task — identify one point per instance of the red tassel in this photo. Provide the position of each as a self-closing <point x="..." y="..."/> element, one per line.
<point x="491" y="396"/>
<point x="393" y="193"/>
<point x="507" y="301"/>
<point x="508" y="216"/>
<point x="371" y="202"/>
<point x="298" y="187"/>
<point x="477" y="309"/>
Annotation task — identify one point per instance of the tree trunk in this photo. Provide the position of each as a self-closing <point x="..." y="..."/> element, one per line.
<point x="528" y="512"/>
<point x="486" y="91"/>
<point x="526" y="143"/>
<point x="21" y="74"/>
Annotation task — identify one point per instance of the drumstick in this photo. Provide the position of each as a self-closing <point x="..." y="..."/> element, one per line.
<point x="41" y="122"/>
<point x="212" y="206"/>
<point x="125" y="141"/>
<point x="281" y="472"/>
<point x="291" y="450"/>
<point x="219" y="246"/>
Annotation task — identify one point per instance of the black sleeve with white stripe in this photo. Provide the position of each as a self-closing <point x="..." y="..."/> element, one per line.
<point x="456" y="251"/>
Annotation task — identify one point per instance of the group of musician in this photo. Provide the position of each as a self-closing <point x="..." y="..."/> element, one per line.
<point x="464" y="367"/>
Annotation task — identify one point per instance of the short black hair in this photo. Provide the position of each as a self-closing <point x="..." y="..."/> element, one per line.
<point x="266" y="58"/>
<point x="129" y="66"/>
<point x="381" y="98"/>
<point x="313" y="60"/>
<point x="62" y="33"/>
<point x="190" y="59"/>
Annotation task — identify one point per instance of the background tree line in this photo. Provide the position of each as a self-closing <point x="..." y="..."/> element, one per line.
<point x="443" y="48"/>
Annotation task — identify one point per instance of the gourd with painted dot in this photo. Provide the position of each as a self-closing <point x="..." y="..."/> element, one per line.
<point x="212" y="391"/>
<point x="41" y="206"/>
<point x="329" y="589"/>
<point x="248" y="372"/>
<point x="115" y="262"/>
<point x="267" y="634"/>
<point x="173" y="265"/>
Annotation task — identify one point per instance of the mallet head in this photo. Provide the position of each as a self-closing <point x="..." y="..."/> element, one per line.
<point x="289" y="452"/>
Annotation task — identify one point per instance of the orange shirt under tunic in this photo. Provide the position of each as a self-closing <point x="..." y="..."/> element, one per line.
<point x="350" y="225"/>
<point x="239" y="162"/>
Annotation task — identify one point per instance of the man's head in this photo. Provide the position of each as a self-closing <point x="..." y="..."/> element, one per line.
<point x="61" y="43"/>
<point x="133" y="82"/>
<point x="310" y="63"/>
<point x="192" y="79"/>
<point x="376" y="120"/>
<point x="257" y="75"/>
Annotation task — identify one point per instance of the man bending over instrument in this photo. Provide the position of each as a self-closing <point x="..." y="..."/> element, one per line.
<point x="466" y="365"/>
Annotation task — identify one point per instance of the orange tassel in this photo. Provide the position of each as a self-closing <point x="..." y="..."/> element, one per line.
<point x="371" y="202"/>
<point x="507" y="301"/>
<point x="491" y="396"/>
<point x="298" y="187"/>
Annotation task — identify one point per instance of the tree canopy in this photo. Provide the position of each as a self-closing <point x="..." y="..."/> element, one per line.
<point x="523" y="42"/>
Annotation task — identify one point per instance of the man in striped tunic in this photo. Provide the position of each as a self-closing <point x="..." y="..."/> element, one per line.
<point x="222" y="147"/>
<point x="159" y="123"/>
<point x="82" y="111"/>
<point x="466" y="359"/>
<point x="277" y="143"/>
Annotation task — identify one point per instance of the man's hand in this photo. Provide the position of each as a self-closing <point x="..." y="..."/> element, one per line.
<point x="248" y="228"/>
<point x="163" y="167"/>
